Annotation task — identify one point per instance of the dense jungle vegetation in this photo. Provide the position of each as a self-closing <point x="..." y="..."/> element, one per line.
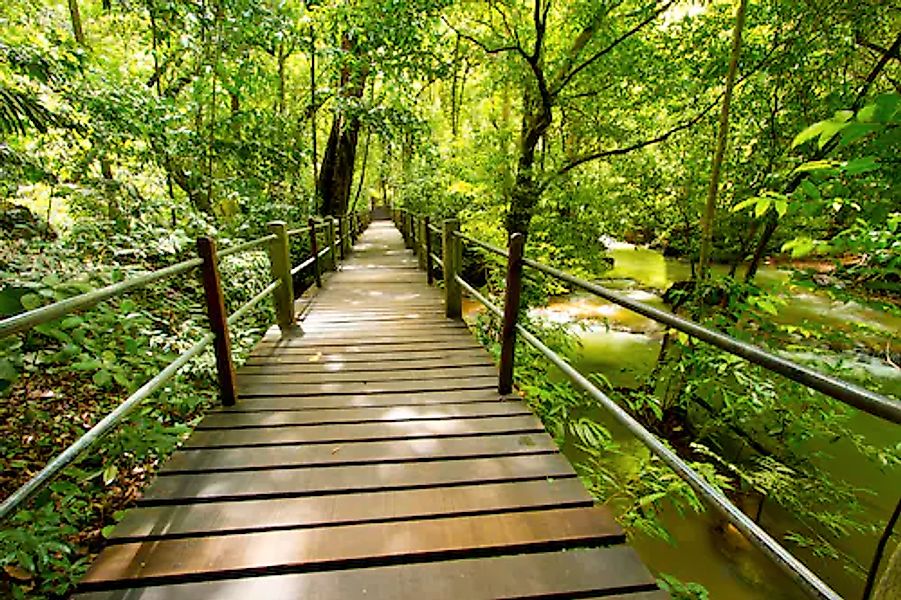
<point x="752" y="144"/>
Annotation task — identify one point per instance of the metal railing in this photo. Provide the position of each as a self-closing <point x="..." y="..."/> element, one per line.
<point x="280" y="288"/>
<point x="417" y="232"/>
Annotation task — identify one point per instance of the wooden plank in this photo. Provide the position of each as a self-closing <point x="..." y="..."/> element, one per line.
<point x="280" y="375"/>
<point x="354" y="338"/>
<point x="281" y="483"/>
<point x="577" y="573"/>
<point x="159" y="522"/>
<point x="387" y="359"/>
<point x="264" y="388"/>
<point x="358" y="400"/>
<point x="364" y="347"/>
<point x="321" y="365"/>
<point x="349" y="432"/>
<point x="371" y="543"/>
<point x="349" y="453"/>
<point x="231" y="420"/>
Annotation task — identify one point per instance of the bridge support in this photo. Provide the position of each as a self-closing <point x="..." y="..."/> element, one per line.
<point x="452" y="256"/>
<point x="215" y="307"/>
<point x="314" y="252"/>
<point x="280" y="268"/>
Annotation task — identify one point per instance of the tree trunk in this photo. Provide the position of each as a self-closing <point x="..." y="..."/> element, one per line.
<point x="77" y="30"/>
<point x="313" y="104"/>
<point x="337" y="169"/>
<point x="525" y="194"/>
<point x="722" y="136"/>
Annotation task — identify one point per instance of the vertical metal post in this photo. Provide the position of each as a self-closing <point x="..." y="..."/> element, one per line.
<point x="420" y="239"/>
<point x="314" y="249"/>
<point x="330" y="240"/>
<point x="511" y="313"/>
<point x="428" y="252"/>
<point x="452" y="256"/>
<point x="342" y="247"/>
<point x="215" y="307"/>
<point x="280" y="268"/>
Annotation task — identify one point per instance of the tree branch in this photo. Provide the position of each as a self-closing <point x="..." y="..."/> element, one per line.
<point x="566" y="78"/>
<point x="485" y="48"/>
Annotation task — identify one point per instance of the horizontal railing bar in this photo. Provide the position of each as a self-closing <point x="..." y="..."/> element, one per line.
<point x="26" y="320"/>
<point x="246" y="245"/>
<point x="437" y="260"/>
<point x="297" y="231"/>
<point x="245" y="308"/>
<point x="856" y="396"/>
<point x="434" y="229"/>
<point x="481" y="244"/>
<point x="715" y="498"/>
<point x="325" y="251"/>
<point x="302" y="266"/>
<point x="68" y="455"/>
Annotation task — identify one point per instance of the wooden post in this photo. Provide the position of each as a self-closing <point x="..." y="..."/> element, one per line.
<point x="420" y="238"/>
<point x="342" y="248"/>
<point x="428" y="253"/>
<point x="412" y="230"/>
<point x="511" y="313"/>
<point x="280" y="268"/>
<point x="452" y="255"/>
<point x="314" y="249"/>
<point x="405" y="221"/>
<point x="330" y="237"/>
<point x="215" y="308"/>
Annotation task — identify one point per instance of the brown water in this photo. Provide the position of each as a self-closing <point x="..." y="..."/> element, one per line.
<point x="623" y="347"/>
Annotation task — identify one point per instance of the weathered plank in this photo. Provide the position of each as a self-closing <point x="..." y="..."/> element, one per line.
<point x="279" y="375"/>
<point x="246" y="418"/>
<point x="575" y="574"/>
<point x="349" y="432"/>
<point x="365" y="452"/>
<point x="275" y="483"/>
<point x="296" y="550"/>
<point x="248" y="387"/>
<point x="158" y="522"/>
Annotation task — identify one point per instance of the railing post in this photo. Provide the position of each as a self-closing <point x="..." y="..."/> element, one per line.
<point x="412" y="230"/>
<point x="511" y="313"/>
<point x="428" y="253"/>
<point x="420" y="238"/>
<point x="405" y="219"/>
<point x="330" y="236"/>
<point x="314" y="250"/>
<point x="280" y="268"/>
<point x="342" y="248"/>
<point x="215" y="308"/>
<point x="452" y="256"/>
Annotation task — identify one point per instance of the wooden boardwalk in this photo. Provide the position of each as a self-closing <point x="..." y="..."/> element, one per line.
<point x="370" y="457"/>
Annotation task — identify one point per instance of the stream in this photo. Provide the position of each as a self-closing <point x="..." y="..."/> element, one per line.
<point x="623" y="347"/>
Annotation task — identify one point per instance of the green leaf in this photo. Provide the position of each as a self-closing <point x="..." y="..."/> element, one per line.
<point x="102" y="378"/>
<point x="744" y="204"/>
<point x="107" y="531"/>
<point x="811" y="190"/>
<point x="109" y="474"/>
<point x="763" y="204"/>
<point x="809" y="133"/>
<point x="814" y="165"/>
<point x="71" y="322"/>
<point x="781" y="207"/>
<point x="861" y="165"/>
<point x="31" y="301"/>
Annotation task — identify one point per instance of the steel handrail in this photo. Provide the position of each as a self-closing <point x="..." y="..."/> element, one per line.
<point x="246" y="245"/>
<point x="245" y="308"/>
<point x="68" y="455"/>
<point x="715" y="498"/>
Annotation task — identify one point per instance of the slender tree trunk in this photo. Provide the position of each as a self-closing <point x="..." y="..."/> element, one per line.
<point x="456" y="67"/>
<point x="524" y="197"/>
<point x="75" y="15"/>
<point x="313" y="105"/>
<point x="281" y="56"/>
<point x="707" y="223"/>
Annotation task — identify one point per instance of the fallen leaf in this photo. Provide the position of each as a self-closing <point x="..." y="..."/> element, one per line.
<point x="316" y="357"/>
<point x="335" y="449"/>
<point x="17" y="573"/>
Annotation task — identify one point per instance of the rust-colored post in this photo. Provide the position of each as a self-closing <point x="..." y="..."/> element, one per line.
<point x="511" y="313"/>
<point x="330" y="237"/>
<point x="452" y="257"/>
<point x="280" y="268"/>
<point x="342" y="248"/>
<point x="215" y="308"/>
<point x="314" y="250"/>
<point x="428" y="252"/>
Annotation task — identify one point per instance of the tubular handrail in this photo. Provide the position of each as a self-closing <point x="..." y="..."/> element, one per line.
<point x="246" y="245"/>
<point x="97" y="431"/>
<point x="29" y="319"/>
<point x="26" y="320"/>
<point x="299" y="230"/>
<point x="849" y="393"/>
<point x="843" y="391"/>
<point x="437" y="260"/>
<point x="245" y="308"/>
<point x="715" y="498"/>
